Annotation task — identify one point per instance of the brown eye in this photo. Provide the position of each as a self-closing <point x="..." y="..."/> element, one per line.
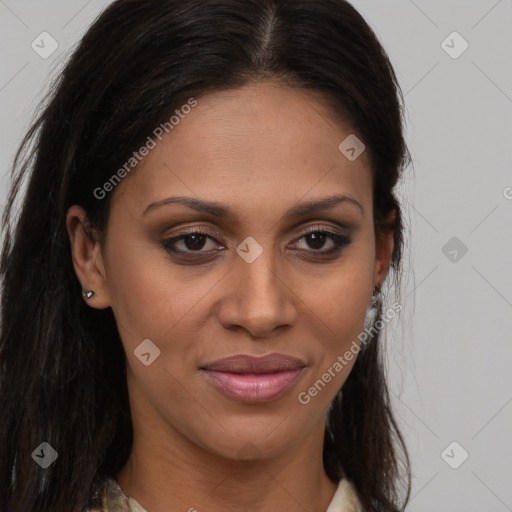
<point x="189" y="243"/>
<point x="194" y="242"/>
<point x="316" y="239"/>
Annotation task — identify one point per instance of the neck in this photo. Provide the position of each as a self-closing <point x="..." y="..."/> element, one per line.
<point x="178" y="475"/>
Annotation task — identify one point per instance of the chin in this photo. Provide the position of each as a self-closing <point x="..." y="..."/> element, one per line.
<point x="251" y="440"/>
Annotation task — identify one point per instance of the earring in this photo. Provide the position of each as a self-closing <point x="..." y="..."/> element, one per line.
<point x="375" y="296"/>
<point x="87" y="294"/>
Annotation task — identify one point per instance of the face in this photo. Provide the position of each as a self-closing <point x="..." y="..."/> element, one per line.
<point x="246" y="269"/>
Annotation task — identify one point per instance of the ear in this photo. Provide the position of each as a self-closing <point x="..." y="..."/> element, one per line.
<point x="87" y="257"/>
<point x="384" y="249"/>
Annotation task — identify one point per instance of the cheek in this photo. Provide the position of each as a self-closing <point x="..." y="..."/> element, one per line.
<point x="341" y="297"/>
<point x="153" y="298"/>
<point x="338" y="306"/>
<point x="140" y="289"/>
<point x="343" y="312"/>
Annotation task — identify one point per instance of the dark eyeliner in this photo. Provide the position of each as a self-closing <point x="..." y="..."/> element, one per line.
<point x="169" y="243"/>
<point x="340" y="240"/>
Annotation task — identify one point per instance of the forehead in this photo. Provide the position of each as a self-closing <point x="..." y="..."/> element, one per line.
<point x="258" y="144"/>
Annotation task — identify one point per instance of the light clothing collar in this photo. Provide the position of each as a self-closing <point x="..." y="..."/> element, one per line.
<point x="114" y="500"/>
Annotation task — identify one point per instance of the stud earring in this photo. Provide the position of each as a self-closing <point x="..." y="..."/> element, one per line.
<point x="87" y="294"/>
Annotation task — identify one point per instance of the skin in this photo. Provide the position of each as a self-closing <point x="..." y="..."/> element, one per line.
<point x="259" y="150"/>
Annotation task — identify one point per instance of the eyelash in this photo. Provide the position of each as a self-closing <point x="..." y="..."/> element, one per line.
<point x="340" y="241"/>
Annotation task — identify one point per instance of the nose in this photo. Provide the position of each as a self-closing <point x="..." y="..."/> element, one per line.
<point x="256" y="298"/>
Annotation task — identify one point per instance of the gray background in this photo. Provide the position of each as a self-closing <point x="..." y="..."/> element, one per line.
<point x="450" y="355"/>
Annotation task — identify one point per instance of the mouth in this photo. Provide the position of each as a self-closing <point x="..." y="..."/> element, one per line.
<point x="253" y="380"/>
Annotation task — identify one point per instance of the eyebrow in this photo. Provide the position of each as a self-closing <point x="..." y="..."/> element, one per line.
<point x="218" y="210"/>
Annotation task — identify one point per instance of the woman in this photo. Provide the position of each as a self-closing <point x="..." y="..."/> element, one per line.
<point x="191" y="300"/>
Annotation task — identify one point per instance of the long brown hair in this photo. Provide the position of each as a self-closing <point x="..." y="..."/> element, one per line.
<point x="62" y="364"/>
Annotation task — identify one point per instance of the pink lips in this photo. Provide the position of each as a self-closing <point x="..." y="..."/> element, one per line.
<point x="251" y="379"/>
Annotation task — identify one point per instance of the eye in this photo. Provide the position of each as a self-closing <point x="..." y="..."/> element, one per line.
<point x="317" y="238"/>
<point x="189" y="243"/>
<point x="197" y="243"/>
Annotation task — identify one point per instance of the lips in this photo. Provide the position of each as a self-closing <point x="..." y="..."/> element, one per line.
<point x="251" y="379"/>
<point x="271" y="363"/>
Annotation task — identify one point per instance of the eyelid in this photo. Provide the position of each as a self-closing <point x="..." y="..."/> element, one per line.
<point x="332" y="231"/>
<point x="171" y="240"/>
<point x="213" y="233"/>
<point x="200" y="230"/>
<point x="319" y="227"/>
<point x="339" y="239"/>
